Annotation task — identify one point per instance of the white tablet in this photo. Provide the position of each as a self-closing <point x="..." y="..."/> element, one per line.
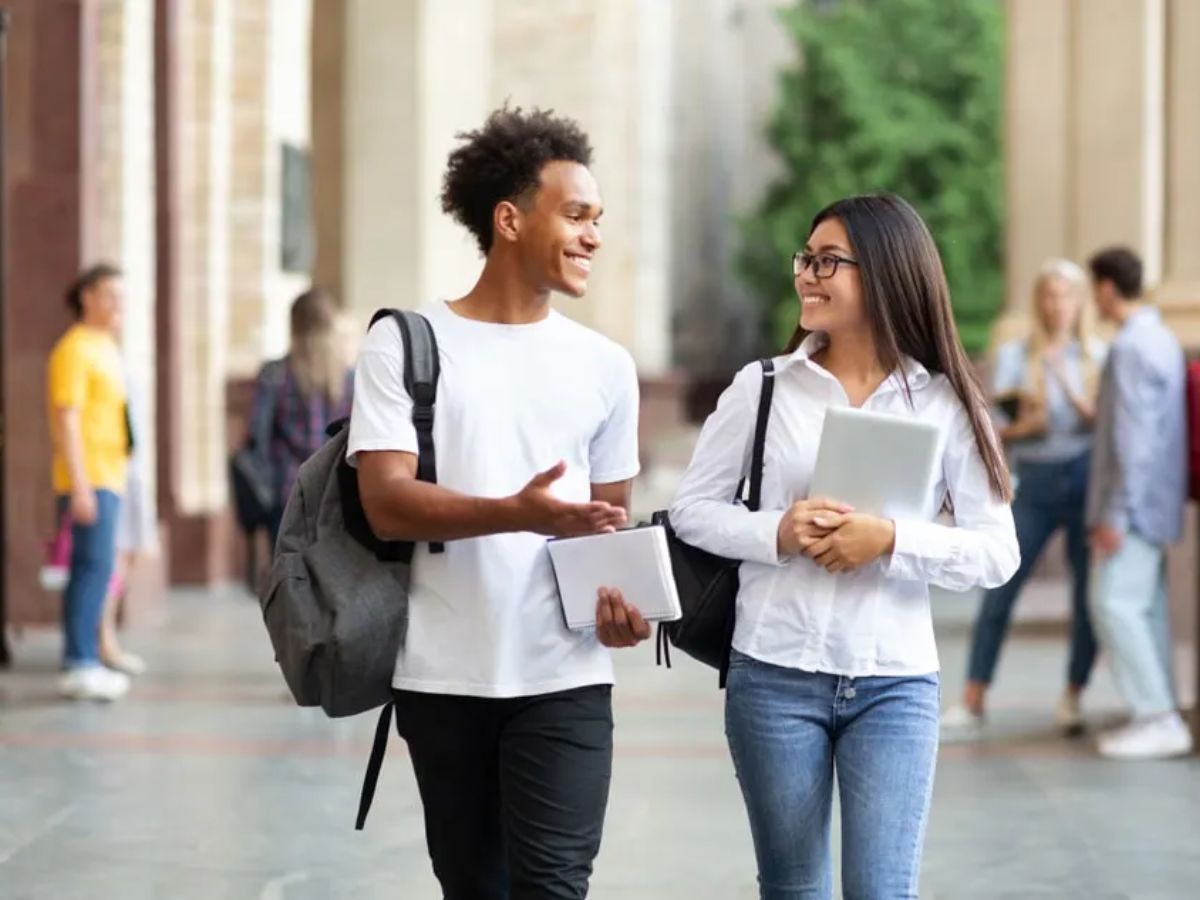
<point x="881" y="464"/>
<point x="635" y="561"/>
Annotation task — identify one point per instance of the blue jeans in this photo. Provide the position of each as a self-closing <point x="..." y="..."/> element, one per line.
<point x="1130" y="609"/>
<point x="93" y="554"/>
<point x="1050" y="496"/>
<point x="789" y="731"/>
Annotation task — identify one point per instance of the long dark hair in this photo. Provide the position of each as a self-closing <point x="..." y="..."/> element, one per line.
<point x="908" y="306"/>
<point x="87" y="280"/>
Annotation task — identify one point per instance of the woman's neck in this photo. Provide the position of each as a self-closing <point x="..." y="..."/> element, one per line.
<point x="852" y="360"/>
<point x="1059" y="341"/>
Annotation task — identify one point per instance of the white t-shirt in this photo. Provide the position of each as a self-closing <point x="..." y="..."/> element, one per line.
<point x="484" y="616"/>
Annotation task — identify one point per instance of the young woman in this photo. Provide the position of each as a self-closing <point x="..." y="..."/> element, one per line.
<point x="834" y="665"/>
<point x="91" y="442"/>
<point x="1052" y="376"/>
<point x="302" y="393"/>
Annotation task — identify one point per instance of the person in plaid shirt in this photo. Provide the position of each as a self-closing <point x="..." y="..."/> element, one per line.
<point x="298" y="396"/>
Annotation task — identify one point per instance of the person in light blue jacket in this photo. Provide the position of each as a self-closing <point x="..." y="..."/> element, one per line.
<point x="1135" y="507"/>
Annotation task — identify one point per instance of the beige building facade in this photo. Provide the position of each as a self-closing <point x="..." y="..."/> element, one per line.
<point x="1102" y="130"/>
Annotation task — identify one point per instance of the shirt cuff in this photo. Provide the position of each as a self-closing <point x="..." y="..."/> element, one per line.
<point x="764" y="532"/>
<point x="917" y="542"/>
<point x="1116" y="517"/>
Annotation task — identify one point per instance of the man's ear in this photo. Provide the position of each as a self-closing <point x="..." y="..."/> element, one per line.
<point x="506" y="221"/>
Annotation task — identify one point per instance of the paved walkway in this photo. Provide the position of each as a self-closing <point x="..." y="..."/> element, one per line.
<point x="207" y="783"/>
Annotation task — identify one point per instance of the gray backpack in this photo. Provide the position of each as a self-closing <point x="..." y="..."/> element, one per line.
<point x="335" y="600"/>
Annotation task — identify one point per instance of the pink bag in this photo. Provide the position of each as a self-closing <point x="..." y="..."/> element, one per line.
<point x="56" y="567"/>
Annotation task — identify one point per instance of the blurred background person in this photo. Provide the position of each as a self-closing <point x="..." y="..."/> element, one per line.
<point x="91" y="440"/>
<point x="296" y="397"/>
<point x="135" y="535"/>
<point x="1045" y="385"/>
<point x="1135" y="508"/>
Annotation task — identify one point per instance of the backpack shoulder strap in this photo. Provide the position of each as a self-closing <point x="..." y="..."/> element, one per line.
<point x="760" y="434"/>
<point x="421" y="371"/>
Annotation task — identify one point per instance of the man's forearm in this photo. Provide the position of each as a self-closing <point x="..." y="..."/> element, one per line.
<point x="405" y="509"/>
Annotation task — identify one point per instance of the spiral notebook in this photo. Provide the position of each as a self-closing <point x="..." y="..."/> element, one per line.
<point x="635" y="561"/>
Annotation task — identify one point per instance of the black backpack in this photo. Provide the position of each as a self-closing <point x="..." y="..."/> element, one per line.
<point x="252" y="478"/>
<point x="707" y="583"/>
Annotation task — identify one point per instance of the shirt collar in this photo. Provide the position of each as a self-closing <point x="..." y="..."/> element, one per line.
<point x="1146" y="313"/>
<point x="916" y="374"/>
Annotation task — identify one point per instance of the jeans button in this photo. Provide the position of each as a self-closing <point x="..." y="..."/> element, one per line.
<point x="850" y="694"/>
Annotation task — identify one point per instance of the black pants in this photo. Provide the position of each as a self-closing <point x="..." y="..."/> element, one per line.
<point x="514" y="790"/>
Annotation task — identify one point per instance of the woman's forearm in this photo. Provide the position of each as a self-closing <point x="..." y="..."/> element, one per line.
<point x="71" y="435"/>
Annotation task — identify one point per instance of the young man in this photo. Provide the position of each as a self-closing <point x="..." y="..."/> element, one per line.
<point x="506" y="713"/>
<point x="1135" y="507"/>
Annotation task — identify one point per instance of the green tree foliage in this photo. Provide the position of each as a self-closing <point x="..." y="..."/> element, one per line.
<point x="895" y="95"/>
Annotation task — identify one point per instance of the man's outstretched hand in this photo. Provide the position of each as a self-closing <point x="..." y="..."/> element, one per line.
<point x="538" y="510"/>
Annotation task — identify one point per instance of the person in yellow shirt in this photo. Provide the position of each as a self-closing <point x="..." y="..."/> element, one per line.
<point x="92" y="441"/>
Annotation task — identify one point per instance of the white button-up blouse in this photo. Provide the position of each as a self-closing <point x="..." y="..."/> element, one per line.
<point x="790" y="611"/>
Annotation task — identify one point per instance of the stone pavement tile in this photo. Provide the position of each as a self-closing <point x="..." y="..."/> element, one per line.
<point x="207" y="782"/>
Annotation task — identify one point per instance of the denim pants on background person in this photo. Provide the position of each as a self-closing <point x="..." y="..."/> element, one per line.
<point x="93" y="556"/>
<point x="1130" y="609"/>
<point x="1050" y="496"/>
<point x="789" y="731"/>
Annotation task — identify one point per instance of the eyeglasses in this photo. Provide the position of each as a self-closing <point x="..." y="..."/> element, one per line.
<point x="824" y="265"/>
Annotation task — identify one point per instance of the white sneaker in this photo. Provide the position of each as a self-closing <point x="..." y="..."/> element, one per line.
<point x="93" y="683"/>
<point x="129" y="663"/>
<point x="1158" y="737"/>
<point x="960" y="725"/>
<point x="1068" y="716"/>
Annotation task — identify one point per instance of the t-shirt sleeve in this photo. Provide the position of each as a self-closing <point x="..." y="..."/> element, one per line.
<point x="67" y="376"/>
<point x="613" y="453"/>
<point x="381" y="417"/>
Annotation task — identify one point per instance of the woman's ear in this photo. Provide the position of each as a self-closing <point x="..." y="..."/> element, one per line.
<point x="506" y="221"/>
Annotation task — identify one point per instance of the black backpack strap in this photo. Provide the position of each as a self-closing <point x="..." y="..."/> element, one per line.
<point x="374" y="765"/>
<point x="760" y="434"/>
<point x="757" y="452"/>
<point x="421" y="371"/>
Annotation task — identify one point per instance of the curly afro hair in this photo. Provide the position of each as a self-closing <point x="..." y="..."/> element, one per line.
<point x="503" y="160"/>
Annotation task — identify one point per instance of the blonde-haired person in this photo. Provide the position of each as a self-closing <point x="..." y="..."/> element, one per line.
<point x="296" y="397"/>
<point x="1051" y="377"/>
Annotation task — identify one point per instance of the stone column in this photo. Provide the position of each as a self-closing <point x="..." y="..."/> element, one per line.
<point x="387" y="100"/>
<point x="49" y="129"/>
<point x="1179" y="293"/>
<point x="270" y="107"/>
<point x="197" y="337"/>
<point x="1085" y="133"/>
<point x="1117" y="106"/>
<point x="1038" y="141"/>
<point x="124" y="226"/>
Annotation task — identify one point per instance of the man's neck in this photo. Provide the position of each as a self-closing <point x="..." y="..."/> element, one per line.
<point x="1127" y="310"/>
<point x="503" y="296"/>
